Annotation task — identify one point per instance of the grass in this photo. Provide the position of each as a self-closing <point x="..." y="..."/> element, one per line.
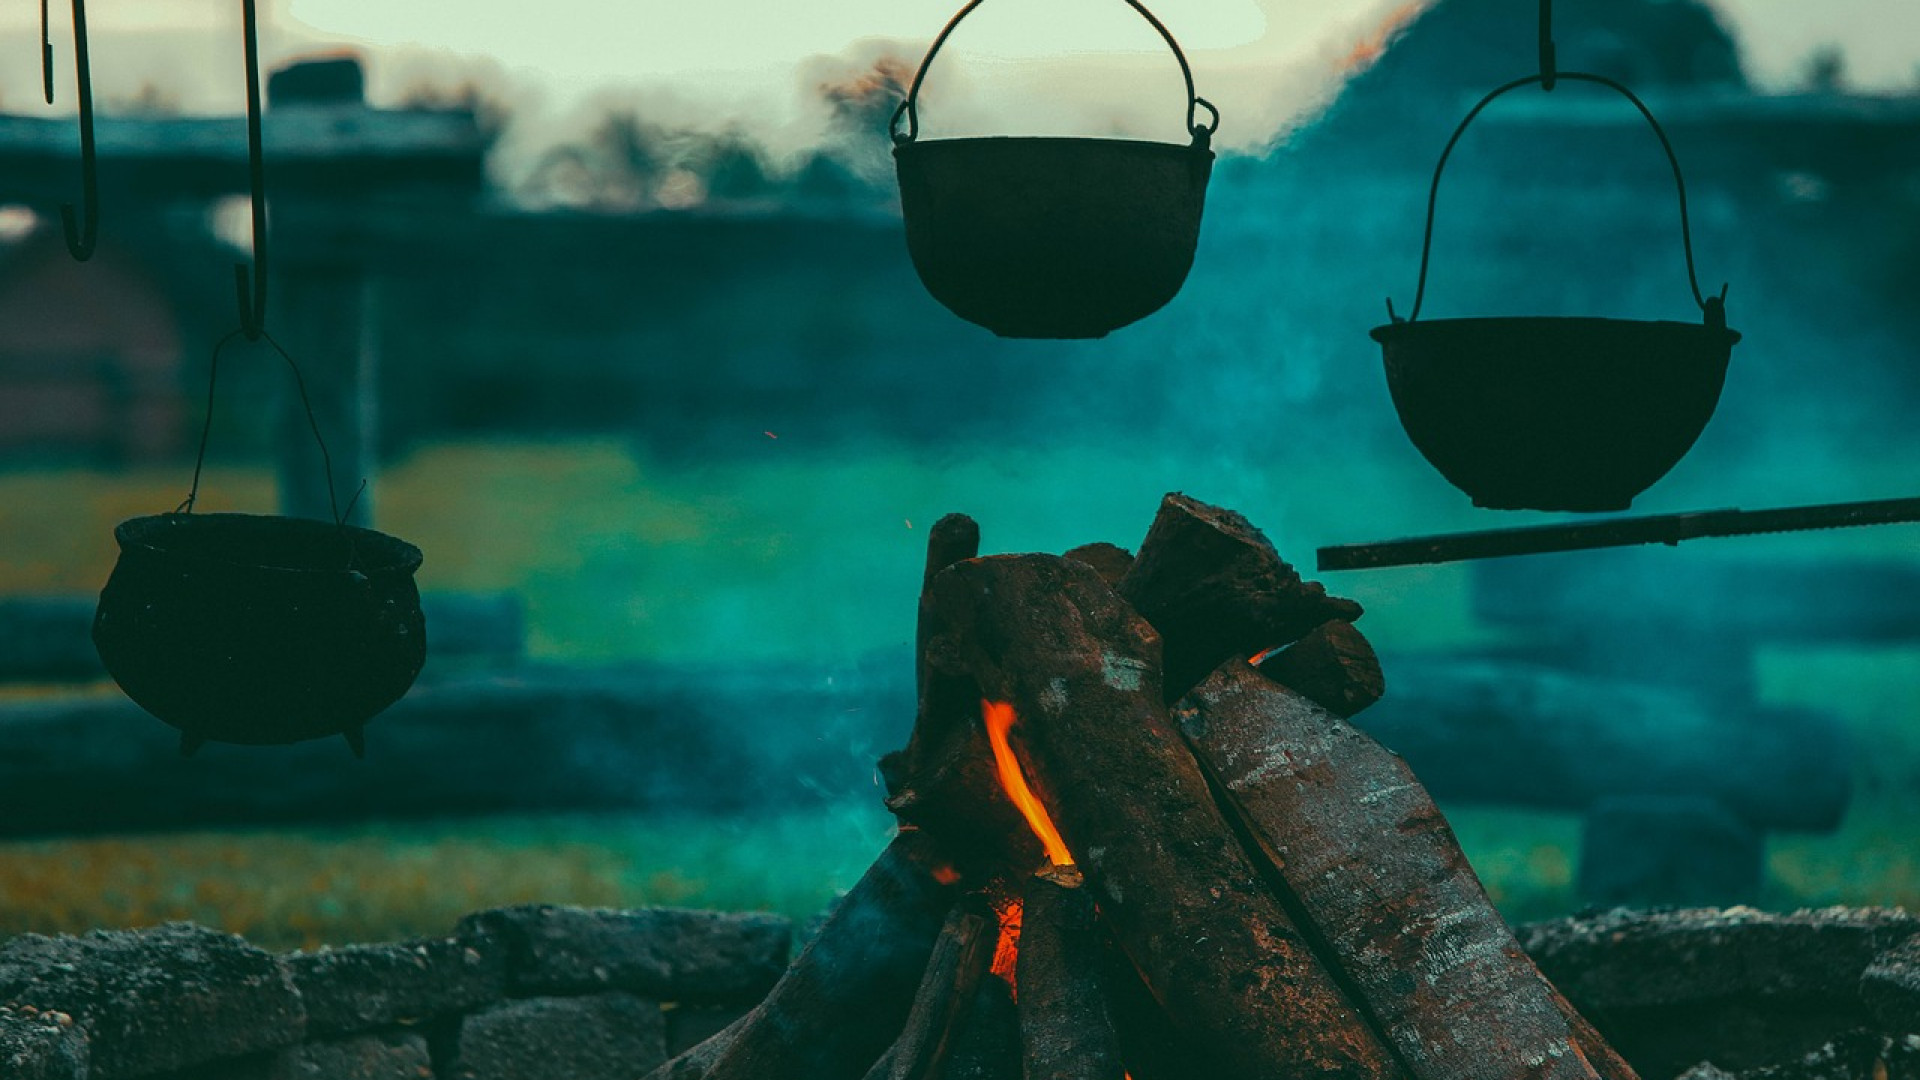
<point x="786" y="551"/>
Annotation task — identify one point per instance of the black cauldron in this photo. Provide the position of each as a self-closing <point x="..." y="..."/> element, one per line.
<point x="1548" y="413"/>
<point x="1052" y="237"/>
<point x="260" y="630"/>
<point x="1554" y="413"/>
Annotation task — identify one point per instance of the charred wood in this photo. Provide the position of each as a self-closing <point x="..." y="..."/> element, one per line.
<point x="845" y="997"/>
<point x="1214" y="588"/>
<point x="1065" y="1030"/>
<point x="1334" y="666"/>
<point x="1081" y="670"/>
<point x="987" y="1044"/>
<point x="1110" y="561"/>
<point x="1377" y="873"/>
<point x="959" y="960"/>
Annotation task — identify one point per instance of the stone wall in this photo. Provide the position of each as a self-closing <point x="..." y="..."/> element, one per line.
<point x="523" y="993"/>
<point x="540" y="992"/>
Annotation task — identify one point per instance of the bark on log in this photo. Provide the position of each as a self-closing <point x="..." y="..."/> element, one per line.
<point x="1378" y="875"/>
<point x="845" y="996"/>
<point x="1214" y="588"/>
<point x="1065" y="1031"/>
<point x="1111" y="560"/>
<point x="1082" y="672"/>
<point x="944" y="781"/>
<point x="960" y="957"/>
<point x="1334" y="666"/>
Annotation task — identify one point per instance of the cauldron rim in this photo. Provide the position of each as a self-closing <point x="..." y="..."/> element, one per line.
<point x="1061" y="141"/>
<point x="374" y="552"/>
<point x="1394" y="331"/>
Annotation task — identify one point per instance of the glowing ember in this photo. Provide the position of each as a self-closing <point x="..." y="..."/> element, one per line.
<point x="1006" y="948"/>
<point x="945" y="874"/>
<point x="1260" y="657"/>
<point x="1000" y="719"/>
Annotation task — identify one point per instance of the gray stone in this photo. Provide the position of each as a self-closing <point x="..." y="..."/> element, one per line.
<point x="155" y="1000"/>
<point x="363" y="987"/>
<point x="1891" y="988"/>
<point x="1648" y="850"/>
<point x="1635" y="959"/>
<point x="41" y="1045"/>
<point x="601" y="1037"/>
<point x="388" y="1055"/>
<point x="703" y="957"/>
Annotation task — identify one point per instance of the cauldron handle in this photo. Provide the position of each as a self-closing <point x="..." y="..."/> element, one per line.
<point x="909" y="107"/>
<point x="313" y="423"/>
<point x="1714" y="307"/>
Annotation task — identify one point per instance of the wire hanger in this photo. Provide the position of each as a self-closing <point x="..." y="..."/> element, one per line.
<point x="81" y="239"/>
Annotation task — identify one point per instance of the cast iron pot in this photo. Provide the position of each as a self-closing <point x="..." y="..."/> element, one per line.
<point x="260" y="630"/>
<point x="1554" y="413"/>
<point x="1548" y="413"/>
<point x="1052" y="237"/>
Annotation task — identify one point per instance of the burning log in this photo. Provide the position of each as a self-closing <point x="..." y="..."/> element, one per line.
<point x="845" y="997"/>
<point x="959" y="960"/>
<point x="1379" y="877"/>
<point x="1065" y="1029"/>
<point x="987" y="1045"/>
<point x="1047" y="637"/>
<point x="1334" y="665"/>
<point x="1214" y="588"/>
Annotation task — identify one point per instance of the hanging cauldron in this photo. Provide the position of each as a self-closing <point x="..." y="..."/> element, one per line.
<point x="260" y="630"/>
<point x="1052" y="237"/>
<point x="1543" y="413"/>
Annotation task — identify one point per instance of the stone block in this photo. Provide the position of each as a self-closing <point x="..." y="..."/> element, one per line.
<point x="668" y="954"/>
<point x="159" y="999"/>
<point x="363" y="987"/>
<point x="600" y="1037"/>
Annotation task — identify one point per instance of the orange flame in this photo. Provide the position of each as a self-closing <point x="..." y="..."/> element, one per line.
<point x="1000" y="719"/>
<point x="1006" y="947"/>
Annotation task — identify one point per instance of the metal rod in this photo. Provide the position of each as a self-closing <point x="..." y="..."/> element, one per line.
<point x="253" y="302"/>
<point x="1669" y="529"/>
<point x="83" y="237"/>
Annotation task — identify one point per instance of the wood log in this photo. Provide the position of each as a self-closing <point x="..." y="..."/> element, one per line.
<point x="1334" y="666"/>
<point x="1065" y="1031"/>
<point x="846" y="995"/>
<point x="944" y="782"/>
<point x="1214" y="588"/>
<point x="1152" y="1047"/>
<point x="724" y="738"/>
<point x="1378" y="875"/>
<point x="1111" y="560"/>
<point x="1081" y="669"/>
<point x="959" y="960"/>
<point x="987" y="1044"/>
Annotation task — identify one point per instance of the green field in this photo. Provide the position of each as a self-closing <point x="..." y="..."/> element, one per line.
<point x="785" y="551"/>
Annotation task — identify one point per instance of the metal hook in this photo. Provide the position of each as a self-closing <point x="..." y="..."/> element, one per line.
<point x="253" y="299"/>
<point x="80" y="239"/>
<point x="46" y="53"/>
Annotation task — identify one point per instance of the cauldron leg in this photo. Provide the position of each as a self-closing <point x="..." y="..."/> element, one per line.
<point x="357" y="739"/>
<point x="191" y="743"/>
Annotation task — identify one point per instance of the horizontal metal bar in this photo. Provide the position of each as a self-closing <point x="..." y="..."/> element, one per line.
<point x="1614" y="532"/>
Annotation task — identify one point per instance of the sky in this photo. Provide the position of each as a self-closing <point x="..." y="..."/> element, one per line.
<point x="748" y="63"/>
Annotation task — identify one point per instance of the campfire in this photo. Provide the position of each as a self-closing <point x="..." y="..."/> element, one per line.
<point x="1139" y="839"/>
